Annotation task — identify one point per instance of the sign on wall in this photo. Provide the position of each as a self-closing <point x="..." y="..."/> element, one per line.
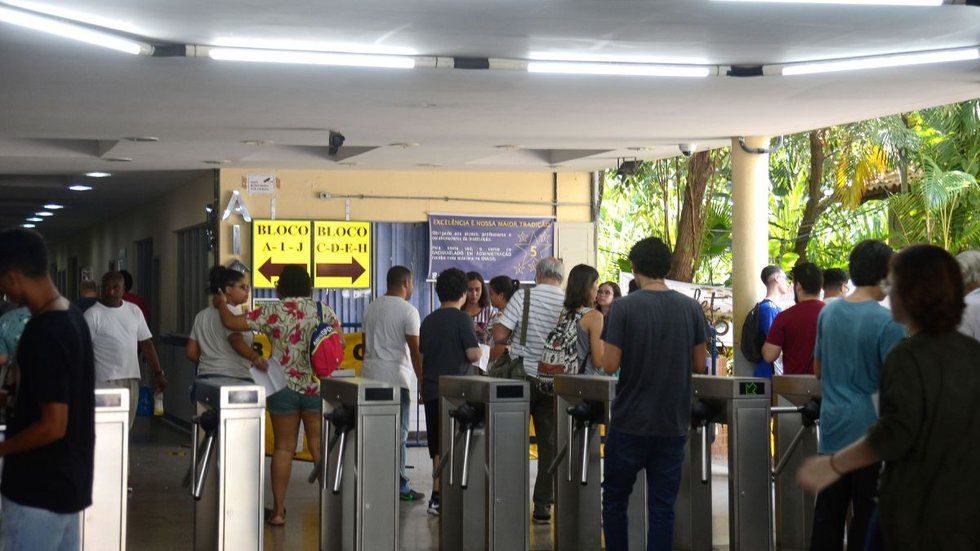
<point x="336" y="254"/>
<point x="342" y="254"/>
<point x="275" y="245"/>
<point x="491" y="245"/>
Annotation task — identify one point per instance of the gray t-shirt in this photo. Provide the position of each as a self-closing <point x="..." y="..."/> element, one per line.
<point x="387" y="321"/>
<point x="657" y="332"/>
<point x="217" y="355"/>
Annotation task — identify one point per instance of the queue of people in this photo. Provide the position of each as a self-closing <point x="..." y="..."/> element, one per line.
<point x="905" y="468"/>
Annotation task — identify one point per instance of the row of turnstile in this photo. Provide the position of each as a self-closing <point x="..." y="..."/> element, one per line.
<point x="484" y="470"/>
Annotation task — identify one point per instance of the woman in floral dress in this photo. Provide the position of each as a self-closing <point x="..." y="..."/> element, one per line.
<point x="289" y="324"/>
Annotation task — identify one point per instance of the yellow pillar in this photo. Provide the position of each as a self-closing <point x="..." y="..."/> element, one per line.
<point x="750" y="233"/>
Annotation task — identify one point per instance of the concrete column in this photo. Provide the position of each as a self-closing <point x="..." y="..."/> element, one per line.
<point x="750" y="234"/>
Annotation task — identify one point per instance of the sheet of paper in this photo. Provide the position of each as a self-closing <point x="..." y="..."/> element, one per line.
<point x="484" y="361"/>
<point x="273" y="380"/>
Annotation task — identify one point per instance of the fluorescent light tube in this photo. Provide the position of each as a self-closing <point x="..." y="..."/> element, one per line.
<point x="98" y="174"/>
<point x="53" y="206"/>
<point x="878" y="62"/>
<point x="27" y="225"/>
<point x="312" y="58"/>
<point x="35" y="219"/>
<point x="848" y="2"/>
<point x="73" y="31"/>
<point x="43" y="213"/>
<point x="80" y="187"/>
<point x="620" y="69"/>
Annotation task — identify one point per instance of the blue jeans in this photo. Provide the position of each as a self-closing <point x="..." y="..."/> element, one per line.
<point x="406" y="404"/>
<point x="662" y="458"/>
<point x="25" y="528"/>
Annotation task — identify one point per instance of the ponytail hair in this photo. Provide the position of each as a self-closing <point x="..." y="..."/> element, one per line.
<point x="504" y="285"/>
<point x="220" y="277"/>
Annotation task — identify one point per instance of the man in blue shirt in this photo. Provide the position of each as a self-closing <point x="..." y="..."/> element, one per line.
<point x="854" y="336"/>
<point x="776" y="284"/>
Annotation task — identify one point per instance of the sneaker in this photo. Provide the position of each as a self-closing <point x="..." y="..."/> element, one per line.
<point x="412" y="495"/>
<point x="434" y="504"/>
<point x="541" y="517"/>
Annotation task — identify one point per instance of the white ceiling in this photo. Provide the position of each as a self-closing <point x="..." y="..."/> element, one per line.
<point x="65" y="106"/>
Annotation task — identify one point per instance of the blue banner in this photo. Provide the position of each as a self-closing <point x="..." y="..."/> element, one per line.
<point x="491" y="245"/>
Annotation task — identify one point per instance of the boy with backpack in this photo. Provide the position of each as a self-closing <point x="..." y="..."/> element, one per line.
<point x="448" y="345"/>
<point x="759" y="320"/>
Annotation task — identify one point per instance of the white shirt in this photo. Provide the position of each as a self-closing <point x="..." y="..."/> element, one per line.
<point x="387" y="321"/>
<point x="115" y="333"/>
<point x="217" y="355"/>
<point x="970" y="326"/>
<point x="547" y="302"/>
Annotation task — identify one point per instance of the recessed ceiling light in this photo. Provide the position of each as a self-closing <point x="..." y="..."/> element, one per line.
<point x="428" y="105"/>
<point x="118" y="159"/>
<point x="142" y="139"/>
<point x="347" y="163"/>
<point x="43" y="213"/>
<point x="80" y="187"/>
<point x="217" y="162"/>
<point x="258" y="142"/>
<point x="429" y="165"/>
<point x="98" y="174"/>
<point x="53" y="206"/>
<point x="509" y="146"/>
<point x="35" y="219"/>
<point x="641" y="148"/>
<point x="27" y="225"/>
<point x="404" y="145"/>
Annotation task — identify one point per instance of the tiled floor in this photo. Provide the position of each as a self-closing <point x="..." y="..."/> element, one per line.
<point x="161" y="511"/>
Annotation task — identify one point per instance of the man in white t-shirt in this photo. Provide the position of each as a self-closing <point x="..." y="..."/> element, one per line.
<point x="391" y="351"/>
<point x="547" y="300"/>
<point x="118" y="329"/>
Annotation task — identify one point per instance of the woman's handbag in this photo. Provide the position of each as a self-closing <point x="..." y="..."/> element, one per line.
<point x="507" y="366"/>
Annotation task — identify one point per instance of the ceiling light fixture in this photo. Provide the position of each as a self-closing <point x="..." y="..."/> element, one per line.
<point x="98" y="174"/>
<point x="880" y="61"/>
<point x="28" y="226"/>
<point x="849" y="2"/>
<point x="218" y="162"/>
<point x="35" y="219"/>
<point x="80" y="187"/>
<point x="312" y="58"/>
<point x="43" y="213"/>
<point x="620" y="69"/>
<point x="73" y="31"/>
<point x="118" y="159"/>
<point x="258" y="142"/>
<point x="53" y="206"/>
<point x="404" y="145"/>
<point x="142" y="139"/>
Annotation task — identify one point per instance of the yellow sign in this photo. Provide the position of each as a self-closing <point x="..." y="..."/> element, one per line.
<point x="342" y="254"/>
<point x="275" y="245"/>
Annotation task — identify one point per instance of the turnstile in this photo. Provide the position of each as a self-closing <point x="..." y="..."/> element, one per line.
<point x="228" y="465"/>
<point x="582" y="405"/>
<point x="796" y="410"/>
<point x="359" y="473"/>
<point x="103" y="523"/>
<point x="483" y="464"/>
<point x="743" y="404"/>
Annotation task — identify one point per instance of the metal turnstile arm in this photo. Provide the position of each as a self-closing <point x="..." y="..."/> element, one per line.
<point x="584" y="478"/>
<point x="705" y="454"/>
<point x="339" y="471"/>
<point x="464" y="480"/>
<point x="784" y="460"/>
<point x="202" y="471"/>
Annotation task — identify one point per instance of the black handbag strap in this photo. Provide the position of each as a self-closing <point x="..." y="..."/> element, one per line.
<point x="525" y="316"/>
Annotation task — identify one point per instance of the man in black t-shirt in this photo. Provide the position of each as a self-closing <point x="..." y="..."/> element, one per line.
<point x="656" y="338"/>
<point x="50" y="446"/>
<point x="448" y="344"/>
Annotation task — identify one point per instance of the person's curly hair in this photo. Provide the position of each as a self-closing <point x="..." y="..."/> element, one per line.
<point x="929" y="286"/>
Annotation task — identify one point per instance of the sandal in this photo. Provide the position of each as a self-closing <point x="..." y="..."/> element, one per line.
<point x="271" y="519"/>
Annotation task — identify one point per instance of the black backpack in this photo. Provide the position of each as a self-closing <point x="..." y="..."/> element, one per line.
<point x="752" y="338"/>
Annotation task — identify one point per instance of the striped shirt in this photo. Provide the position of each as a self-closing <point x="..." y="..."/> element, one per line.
<point x="547" y="302"/>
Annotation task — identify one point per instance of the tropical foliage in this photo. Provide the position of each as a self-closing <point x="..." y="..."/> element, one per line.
<point x="907" y="178"/>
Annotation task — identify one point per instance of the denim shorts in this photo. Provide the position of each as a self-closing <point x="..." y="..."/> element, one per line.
<point x="24" y="528"/>
<point x="288" y="402"/>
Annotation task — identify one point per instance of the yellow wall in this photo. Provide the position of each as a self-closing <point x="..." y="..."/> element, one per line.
<point x="158" y="219"/>
<point x="298" y="197"/>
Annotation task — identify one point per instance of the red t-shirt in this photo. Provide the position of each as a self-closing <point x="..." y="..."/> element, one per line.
<point x="795" y="331"/>
<point x="130" y="297"/>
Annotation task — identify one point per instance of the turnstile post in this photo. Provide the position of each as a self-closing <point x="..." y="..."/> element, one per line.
<point x="103" y="524"/>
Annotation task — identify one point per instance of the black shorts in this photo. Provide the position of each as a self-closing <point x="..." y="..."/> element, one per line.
<point x="432" y="426"/>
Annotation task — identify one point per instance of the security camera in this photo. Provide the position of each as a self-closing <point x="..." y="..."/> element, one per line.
<point x="336" y="140"/>
<point x="687" y="149"/>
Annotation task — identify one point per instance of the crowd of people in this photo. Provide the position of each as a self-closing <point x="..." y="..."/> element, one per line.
<point x="900" y="387"/>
